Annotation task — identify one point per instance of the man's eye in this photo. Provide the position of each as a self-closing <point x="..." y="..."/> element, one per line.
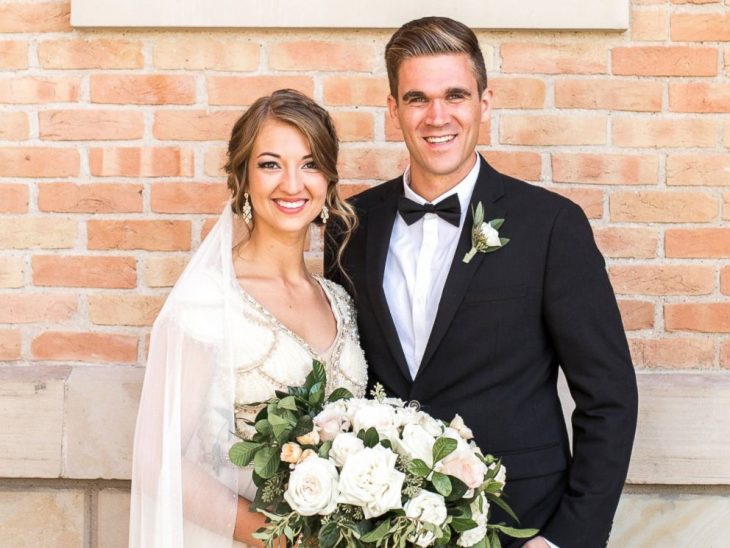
<point x="455" y="97"/>
<point x="268" y="165"/>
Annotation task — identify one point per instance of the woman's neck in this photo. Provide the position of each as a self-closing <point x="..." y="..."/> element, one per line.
<point x="274" y="255"/>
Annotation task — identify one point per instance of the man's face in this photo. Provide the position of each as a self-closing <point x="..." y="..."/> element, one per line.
<point x="439" y="111"/>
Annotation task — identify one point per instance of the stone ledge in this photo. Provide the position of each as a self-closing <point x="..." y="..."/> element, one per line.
<point x="78" y="422"/>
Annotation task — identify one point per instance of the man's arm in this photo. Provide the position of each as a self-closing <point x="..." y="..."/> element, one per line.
<point x="585" y="325"/>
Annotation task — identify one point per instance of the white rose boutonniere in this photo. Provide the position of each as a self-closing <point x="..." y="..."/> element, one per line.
<point x="484" y="235"/>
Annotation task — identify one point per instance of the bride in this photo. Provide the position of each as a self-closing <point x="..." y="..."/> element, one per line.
<point x="246" y="318"/>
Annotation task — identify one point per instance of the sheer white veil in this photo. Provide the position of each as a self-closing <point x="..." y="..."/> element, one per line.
<point x="184" y="489"/>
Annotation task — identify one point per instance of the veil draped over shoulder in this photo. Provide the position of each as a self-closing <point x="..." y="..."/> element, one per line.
<point x="184" y="488"/>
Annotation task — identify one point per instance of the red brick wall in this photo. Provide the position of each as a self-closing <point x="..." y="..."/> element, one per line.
<point x="111" y="144"/>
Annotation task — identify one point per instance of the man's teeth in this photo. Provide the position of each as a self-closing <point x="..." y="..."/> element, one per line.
<point x="290" y="205"/>
<point x="443" y="139"/>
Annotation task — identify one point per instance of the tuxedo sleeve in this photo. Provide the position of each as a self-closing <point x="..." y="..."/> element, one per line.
<point x="583" y="319"/>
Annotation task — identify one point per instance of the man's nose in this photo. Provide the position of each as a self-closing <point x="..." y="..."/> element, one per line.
<point x="437" y="115"/>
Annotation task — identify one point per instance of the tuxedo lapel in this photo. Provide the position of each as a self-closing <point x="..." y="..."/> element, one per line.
<point x="488" y="190"/>
<point x="380" y="219"/>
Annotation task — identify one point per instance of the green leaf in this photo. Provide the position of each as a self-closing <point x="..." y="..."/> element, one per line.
<point x="418" y="468"/>
<point x="316" y="394"/>
<point x="441" y="483"/>
<point x="304" y="426"/>
<point x="263" y="427"/>
<point x="516" y="533"/>
<point x="340" y="394"/>
<point x="324" y="450"/>
<point x="316" y="376"/>
<point x="463" y="524"/>
<point x="503" y="505"/>
<point x="378" y="533"/>
<point x="504" y="241"/>
<point x="242" y="453"/>
<point x="442" y="448"/>
<point x="329" y="535"/>
<point x="266" y="462"/>
<point x="496" y="223"/>
<point x="479" y="214"/>
<point x="445" y="537"/>
<point x="458" y="489"/>
<point x="369" y="437"/>
<point x="289" y="402"/>
<point x="280" y="427"/>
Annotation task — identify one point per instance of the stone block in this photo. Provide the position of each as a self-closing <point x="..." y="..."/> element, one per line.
<point x="671" y="520"/>
<point x="31" y="414"/>
<point x="48" y="518"/>
<point x="100" y="414"/>
<point x="113" y="518"/>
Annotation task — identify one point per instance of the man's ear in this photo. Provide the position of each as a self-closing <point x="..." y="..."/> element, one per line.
<point x="393" y="110"/>
<point x="486" y="104"/>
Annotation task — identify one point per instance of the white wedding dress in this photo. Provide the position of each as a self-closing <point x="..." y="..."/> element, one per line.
<point x="214" y="353"/>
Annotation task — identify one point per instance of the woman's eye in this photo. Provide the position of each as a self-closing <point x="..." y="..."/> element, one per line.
<point x="268" y="165"/>
<point x="310" y="165"/>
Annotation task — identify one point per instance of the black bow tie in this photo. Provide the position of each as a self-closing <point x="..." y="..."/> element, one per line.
<point x="448" y="209"/>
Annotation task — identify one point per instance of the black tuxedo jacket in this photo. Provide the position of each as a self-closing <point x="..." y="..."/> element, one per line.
<point x="506" y="322"/>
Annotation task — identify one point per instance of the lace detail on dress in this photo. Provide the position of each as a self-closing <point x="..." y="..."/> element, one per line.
<point x="269" y="356"/>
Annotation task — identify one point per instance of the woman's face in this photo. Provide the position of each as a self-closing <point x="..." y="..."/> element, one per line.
<point x="287" y="190"/>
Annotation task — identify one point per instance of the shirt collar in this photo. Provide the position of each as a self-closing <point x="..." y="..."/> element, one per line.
<point x="464" y="189"/>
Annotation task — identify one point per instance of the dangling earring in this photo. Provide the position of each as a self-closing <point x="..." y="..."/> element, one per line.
<point x="325" y="214"/>
<point x="247" y="213"/>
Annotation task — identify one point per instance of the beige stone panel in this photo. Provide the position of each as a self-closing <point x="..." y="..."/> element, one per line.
<point x="671" y="520"/>
<point x="48" y="518"/>
<point x="31" y="415"/>
<point x="683" y="431"/>
<point x="113" y="518"/>
<point x="101" y="409"/>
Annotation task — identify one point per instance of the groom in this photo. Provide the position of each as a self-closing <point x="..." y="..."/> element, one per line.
<point x="485" y="337"/>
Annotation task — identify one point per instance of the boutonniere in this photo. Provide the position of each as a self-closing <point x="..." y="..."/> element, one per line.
<point x="484" y="235"/>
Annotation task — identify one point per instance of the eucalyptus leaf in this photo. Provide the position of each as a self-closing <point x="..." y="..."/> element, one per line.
<point x="496" y="223"/>
<point x="418" y="468"/>
<point x="479" y="214"/>
<point x="442" y="448"/>
<point x="503" y="505"/>
<point x="516" y="533"/>
<point x="441" y="483"/>
<point x="242" y="453"/>
<point x="378" y="533"/>
<point x="266" y="462"/>
<point x="463" y="524"/>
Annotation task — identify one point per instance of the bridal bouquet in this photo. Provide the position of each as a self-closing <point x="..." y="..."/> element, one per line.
<point x="343" y="471"/>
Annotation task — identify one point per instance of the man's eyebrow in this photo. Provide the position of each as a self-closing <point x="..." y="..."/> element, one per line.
<point x="409" y="95"/>
<point x="458" y="91"/>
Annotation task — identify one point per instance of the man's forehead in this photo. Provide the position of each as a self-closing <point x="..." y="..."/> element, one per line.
<point x="436" y="74"/>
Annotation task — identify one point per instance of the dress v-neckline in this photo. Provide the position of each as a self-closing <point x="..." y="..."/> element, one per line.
<point x="283" y="327"/>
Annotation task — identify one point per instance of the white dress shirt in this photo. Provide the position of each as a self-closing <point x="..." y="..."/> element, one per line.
<point x="418" y="262"/>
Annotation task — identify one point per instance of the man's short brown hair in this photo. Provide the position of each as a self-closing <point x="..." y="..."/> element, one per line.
<point x="433" y="36"/>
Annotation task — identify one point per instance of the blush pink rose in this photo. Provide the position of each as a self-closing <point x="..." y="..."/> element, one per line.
<point x="463" y="464"/>
<point x="331" y="421"/>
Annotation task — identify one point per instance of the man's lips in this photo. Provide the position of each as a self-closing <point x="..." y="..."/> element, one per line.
<point x="439" y="139"/>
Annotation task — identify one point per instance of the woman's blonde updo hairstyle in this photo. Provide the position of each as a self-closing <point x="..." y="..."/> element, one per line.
<point x="315" y="123"/>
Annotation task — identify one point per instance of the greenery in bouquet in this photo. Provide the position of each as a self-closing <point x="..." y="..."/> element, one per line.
<point x="334" y="470"/>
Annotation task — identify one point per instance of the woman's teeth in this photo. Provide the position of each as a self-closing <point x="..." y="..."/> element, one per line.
<point x="290" y="205"/>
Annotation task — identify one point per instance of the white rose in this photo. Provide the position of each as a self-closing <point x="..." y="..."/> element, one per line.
<point x="490" y="235"/>
<point x="464" y="431"/>
<point x="429" y="507"/>
<point x="406" y="415"/>
<point x="433" y="426"/>
<point x="343" y="446"/>
<point x="369" y="480"/>
<point x="312" y="487"/>
<point x="332" y="420"/>
<point x="461" y="443"/>
<point x="479" y="514"/>
<point x="416" y="443"/>
<point x="376" y="415"/>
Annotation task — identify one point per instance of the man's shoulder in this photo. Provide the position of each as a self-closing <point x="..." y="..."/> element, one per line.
<point x="534" y="198"/>
<point x="376" y="194"/>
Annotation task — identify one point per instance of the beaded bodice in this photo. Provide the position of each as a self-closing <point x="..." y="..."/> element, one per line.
<point x="270" y="357"/>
